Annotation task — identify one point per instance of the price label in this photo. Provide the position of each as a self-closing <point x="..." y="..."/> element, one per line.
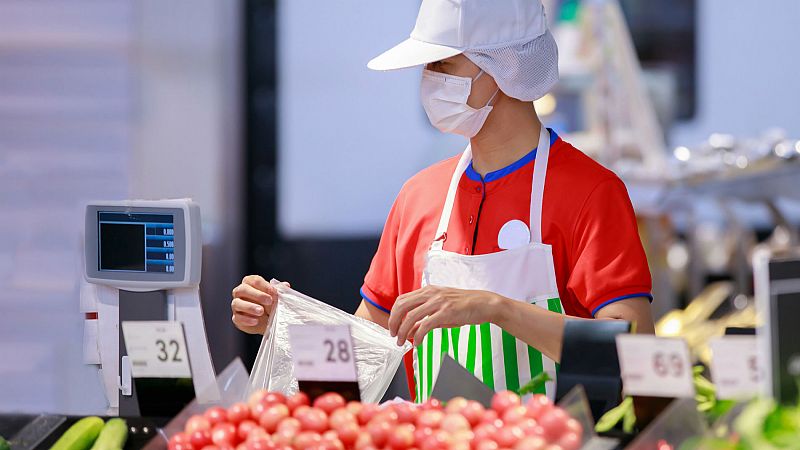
<point x="734" y="367"/>
<point x="156" y="349"/>
<point x="654" y="366"/>
<point x="322" y="353"/>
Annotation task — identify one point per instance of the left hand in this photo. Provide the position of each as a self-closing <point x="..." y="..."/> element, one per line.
<point x="417" y="313"/>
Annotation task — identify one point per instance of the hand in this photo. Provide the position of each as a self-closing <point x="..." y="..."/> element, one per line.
<point x="417" y="313"/>
<point x="252" y="301"/>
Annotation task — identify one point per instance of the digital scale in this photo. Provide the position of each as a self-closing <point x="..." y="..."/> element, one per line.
<point x="142" y="263"/>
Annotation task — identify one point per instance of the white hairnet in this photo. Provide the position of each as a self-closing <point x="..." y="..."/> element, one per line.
<point x="523" y="71"/>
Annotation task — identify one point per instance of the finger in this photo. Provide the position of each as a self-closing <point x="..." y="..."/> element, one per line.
<point x="241" y="306"/>
<point x="261" y="284"/>
<point x="413" y="317"/>
<point x="250" y="293"/>
<point x="435" y="320"/>
<point x="402" y="305"/>
<point x="244" y="323"/>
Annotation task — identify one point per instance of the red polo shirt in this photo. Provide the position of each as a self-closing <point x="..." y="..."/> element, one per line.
<point x="587" y="218"/>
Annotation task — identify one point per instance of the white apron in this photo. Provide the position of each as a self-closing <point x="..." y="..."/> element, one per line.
<point x="524" y="273"/>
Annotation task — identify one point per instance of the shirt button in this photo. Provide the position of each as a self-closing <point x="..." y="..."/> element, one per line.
<point x="478" y="189"/>
<point x="471" y="219"/>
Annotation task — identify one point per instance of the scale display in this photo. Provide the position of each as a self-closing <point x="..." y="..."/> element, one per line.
<point x="135" y="242"/>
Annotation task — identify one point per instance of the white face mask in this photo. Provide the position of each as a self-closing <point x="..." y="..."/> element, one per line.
<point x="444" y="98"/>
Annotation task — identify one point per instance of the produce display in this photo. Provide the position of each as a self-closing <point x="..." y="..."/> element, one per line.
<point x="270" y="420"/>
<point x="92" y="433"/>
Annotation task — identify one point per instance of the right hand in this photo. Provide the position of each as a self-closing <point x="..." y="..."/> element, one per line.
<point x="252" y="303"/>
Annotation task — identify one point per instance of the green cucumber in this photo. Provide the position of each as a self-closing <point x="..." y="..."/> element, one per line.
<point x="4" y="445"/>
<point x="81" y="435"/>
<point x="113" y="435"/>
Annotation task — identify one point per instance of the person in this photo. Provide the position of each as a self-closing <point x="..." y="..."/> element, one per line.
<point x="485" y="254"/>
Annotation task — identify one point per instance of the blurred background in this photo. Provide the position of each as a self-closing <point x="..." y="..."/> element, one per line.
<point x="263" y="111"/>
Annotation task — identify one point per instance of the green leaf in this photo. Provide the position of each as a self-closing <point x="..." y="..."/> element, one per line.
<point x="535" y="384"/>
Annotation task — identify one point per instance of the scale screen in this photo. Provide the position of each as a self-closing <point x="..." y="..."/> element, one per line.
<point x="135" y="242"/>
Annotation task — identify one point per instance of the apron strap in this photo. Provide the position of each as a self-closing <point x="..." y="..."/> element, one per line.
<point x="537" y="191"/>
<point x="537" y="186"/>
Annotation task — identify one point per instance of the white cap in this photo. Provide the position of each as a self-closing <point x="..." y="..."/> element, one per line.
<point x="447" y="28"/>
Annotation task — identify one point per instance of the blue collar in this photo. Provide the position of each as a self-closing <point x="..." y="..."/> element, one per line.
<point x="497" y="174"/>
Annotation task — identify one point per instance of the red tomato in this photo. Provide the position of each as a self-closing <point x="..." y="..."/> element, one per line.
<point x="406" y="412"/>
<point x="298" y="399"/>
<point x="224" y="434"/>
<point x="255" y="398"/>
<point x="238" y="412"/>
<point x="402" y="436"/>
<point x="574" y="426"/>
<point x="508" y="436"/>
<point x="531" y="443"/>
<point x="196" y="423"/>
<point x="379" y="431"/>
<point x="430" y="418"/>
<point x="341" y="417"/>
<point x="454" y="422"/>
<point x="387" y="415"/>
<point x="368" y="411"/>
<point x="364" y="442"/>
<point x="180" y="438"/>
<point x="530" y="427"/>
<point x="300" y="410"/>
<point x="285" y="436"/>
<point x="290" y="424"/>
<point x="215" y="415"/>
<point x="273" y="397"/>
<point x="515" y="414"/>
<point x="354" y="407"/>
<point x="432" y="403"/>
<point x="244" y="428"/>
<point x="473" y="412"/>
<point x="456" y="405"/>
<point x="273" y="416"/>
<point x="256" y="434"/>
<point x="210" y="447"/>
<point x="569" y="441"/>
<point x="504" y="400"/>
<point x="306" y="439"/>
<point x="348" y="432"/>
<point x="538" y="405"/>
<point x="484" y="431"/>
<point x="554" y="423"/>
<point x="261" y="444"/>
<point x="329" y="402"/>
<point x="439" y="440"/>
<point x="180" y="446"/>
<point x="313" y="419"/>
<point x="421" y="433"/>
<point x="489" y="416"/>
<point x="200" y="438"/>
<point x="486" y="444"/>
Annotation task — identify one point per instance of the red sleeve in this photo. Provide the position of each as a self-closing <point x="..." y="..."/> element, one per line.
<point x="380" y="286"/>
<point x="607" y="258"/>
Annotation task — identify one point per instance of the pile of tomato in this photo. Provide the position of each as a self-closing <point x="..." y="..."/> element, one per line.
<point x="272" y="421"/>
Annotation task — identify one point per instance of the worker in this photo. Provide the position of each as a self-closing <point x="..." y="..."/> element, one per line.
<point x="484" y="255"/>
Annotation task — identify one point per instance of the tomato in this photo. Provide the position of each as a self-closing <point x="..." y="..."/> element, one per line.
<point x="200" y="438"/>
<point x="348" y="432"/>
<point x="215" y="415"/>
<point x="313" y="419"/>
<point x="486" y="444"/>
<point x="224" y="434"/>
<point x="569" y="441"/>
<point x="368" y="411"/>
<point x="354" y="407"/>
<point x="300" y="411"/>
<point x="285" y="436"/>
<point x="402" y="436"/>
<point x="340" y="417"/>
<point x="489" y="416"/>
<point x="530" y="427"/>
<point x="387" y="415"/>
<point x="439" y="440"/>
<point x="306" y="439"/>
<point x="531" y="443"/>
<point x="508" y="436"/>
<point x="257" y="433"/>
<point x="430" y="418"/>
<point x="364" y="442"/>
<point x="261" y="444"/>
<point x="196" y="423"/>
<point x="329" y="402"/>
<point x="273" y="397"/>
<point x="432" y="403"/>
<point x="180" y="438"/>
<point x="290" y="424"/>
<point x="256" y="397"/>
<point x="554" y="423"/>
<point x="575" y="427"/>
<point x="406" y="412"/>
<point x="484" y="431"/>
<point x="210" y="447"/>
<point x="473" y="412"/>
<point x="456" y="405"/>
<point x="420" y="433"/>
<point x="515" y="414"/>
<point x="379" y="431"/>
<point x="538" y="405"/>
<point x="180" y="446"/>
<point x="463" y="436"/>
<point x="454" y="422"/>
<point x="237" y="413"/>
<point x="273" y="416"/>
<point x="504" y="400"/>
<point x="298" y="399"/>
<point x="244" y="428"/>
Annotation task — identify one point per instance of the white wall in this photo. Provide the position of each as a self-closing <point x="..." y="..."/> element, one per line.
<point x="748" y="61"/>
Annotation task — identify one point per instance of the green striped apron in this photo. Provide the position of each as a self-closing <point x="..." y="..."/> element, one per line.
<point x="523" y="273"/>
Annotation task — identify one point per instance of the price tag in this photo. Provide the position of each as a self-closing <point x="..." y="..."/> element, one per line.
<point x="655" y="366"/>
<point x="322" y="353"/>
<point x="156" y="349"/>
<point x="734" y="367"/>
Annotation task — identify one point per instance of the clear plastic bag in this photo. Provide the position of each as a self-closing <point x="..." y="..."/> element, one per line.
<point x="376" y="352"/>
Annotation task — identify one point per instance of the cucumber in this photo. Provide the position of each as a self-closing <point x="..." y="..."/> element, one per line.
<point x="81" y="435"/>
<point x="4" y="445"/>
<point x="112" y="436"/>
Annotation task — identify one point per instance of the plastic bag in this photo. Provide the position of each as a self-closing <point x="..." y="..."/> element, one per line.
<point x="376" y="352"/>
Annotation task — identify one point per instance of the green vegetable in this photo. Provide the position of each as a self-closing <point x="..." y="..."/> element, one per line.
<point x="611" y="418"/>
<point x="535" y="384"/>
<point x="4" y="444"/>
<point x="81" y="435"/>
<point x="113" y="435"/>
